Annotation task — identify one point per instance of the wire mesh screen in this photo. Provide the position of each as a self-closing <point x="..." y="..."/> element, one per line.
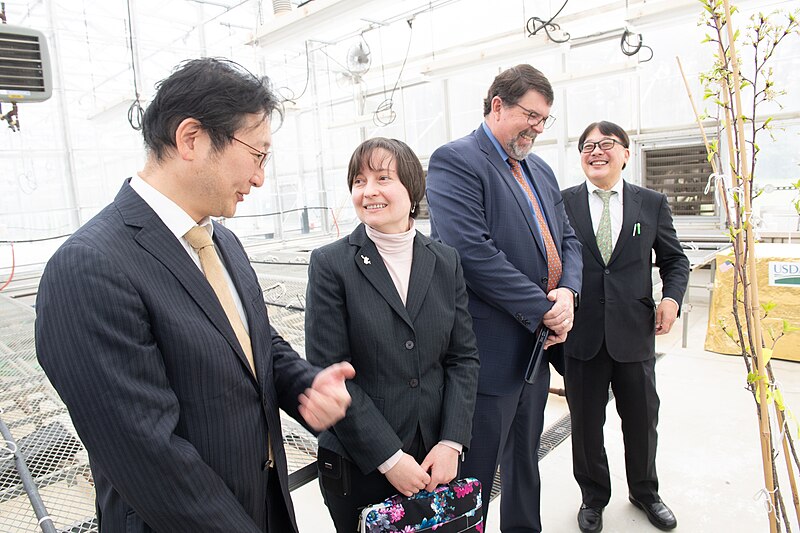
<point x="286" y="303"/>
<point x="45" y="439"/>
<point x="681" y="173"/>
<point x="43" y="436"/>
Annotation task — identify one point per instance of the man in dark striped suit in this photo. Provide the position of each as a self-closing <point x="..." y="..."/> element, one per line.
<point x="152" y="327"/>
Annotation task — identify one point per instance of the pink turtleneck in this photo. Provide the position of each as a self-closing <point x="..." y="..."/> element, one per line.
<point x="397" y="252"/>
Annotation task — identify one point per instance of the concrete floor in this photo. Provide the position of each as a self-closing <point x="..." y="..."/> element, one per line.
<point x="709" y="459"/>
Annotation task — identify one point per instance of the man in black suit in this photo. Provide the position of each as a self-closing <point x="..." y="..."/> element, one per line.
<point x="152" y="327"/>
<point x="613" y="341"/>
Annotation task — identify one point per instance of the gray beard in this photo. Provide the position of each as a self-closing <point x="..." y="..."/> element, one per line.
<point x="517" y="152"/>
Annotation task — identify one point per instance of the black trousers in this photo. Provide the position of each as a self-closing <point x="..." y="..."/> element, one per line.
<point x="363" y="489"/>
<point x="634" y="386"/>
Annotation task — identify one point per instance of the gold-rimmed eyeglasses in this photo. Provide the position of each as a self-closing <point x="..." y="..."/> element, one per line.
<point x="534" y="118"/>
<point x="263" y="157"/>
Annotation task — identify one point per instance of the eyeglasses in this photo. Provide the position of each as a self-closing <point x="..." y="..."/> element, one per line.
<point x="263" y="157"/>
<point x="534" y="118"/>
<point x="604" y="144"/>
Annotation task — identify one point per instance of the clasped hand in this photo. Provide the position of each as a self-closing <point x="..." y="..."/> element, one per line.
<point x="439" y="466"/>
<point x="559" y="319"/>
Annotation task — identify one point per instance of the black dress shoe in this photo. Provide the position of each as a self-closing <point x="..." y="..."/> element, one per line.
<point x="658" y="514"/>
<point x="590" y="519"/>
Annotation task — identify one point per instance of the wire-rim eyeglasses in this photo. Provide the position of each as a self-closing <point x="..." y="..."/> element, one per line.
<point x="263" y="156"/>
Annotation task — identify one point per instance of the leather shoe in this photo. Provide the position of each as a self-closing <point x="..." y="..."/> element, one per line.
<point x="658" y="513"/>
<point x="590" y="519"/>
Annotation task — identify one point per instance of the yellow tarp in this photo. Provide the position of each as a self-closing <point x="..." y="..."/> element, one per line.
<point x="784" y="294"/>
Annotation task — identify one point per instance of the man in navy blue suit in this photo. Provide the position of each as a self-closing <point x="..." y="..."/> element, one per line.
<point x="152" y="327"/>
<point x="501" y="208"/>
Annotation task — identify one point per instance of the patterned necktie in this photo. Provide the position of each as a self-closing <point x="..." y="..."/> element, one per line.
<point x="604" y="228"/>
<point x="199" y="239"/>
<point x="553" y="260"/>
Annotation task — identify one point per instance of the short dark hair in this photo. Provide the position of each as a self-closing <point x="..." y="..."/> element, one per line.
<point x="217" y="92"/>
<point x="606" y="128"/>
<point x="514" y="83"/>
<point x="409" y="169"/>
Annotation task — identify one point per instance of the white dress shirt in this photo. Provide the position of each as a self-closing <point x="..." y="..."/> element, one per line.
<point x="179" y="222"/>
<point x="615" y="204"/>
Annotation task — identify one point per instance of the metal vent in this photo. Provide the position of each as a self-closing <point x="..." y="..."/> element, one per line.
<point x="24" y="65"/>
<point x="681" y="173"/>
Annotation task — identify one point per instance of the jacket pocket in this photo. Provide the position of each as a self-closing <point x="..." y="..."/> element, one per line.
<point x="135" y="524"/>
<point x="648" y="301"/>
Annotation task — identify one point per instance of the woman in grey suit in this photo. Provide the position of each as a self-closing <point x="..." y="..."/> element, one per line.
<point x="394" y="304"/>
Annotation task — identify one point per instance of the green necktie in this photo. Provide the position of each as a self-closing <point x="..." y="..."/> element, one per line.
<point x="604" y="228"/>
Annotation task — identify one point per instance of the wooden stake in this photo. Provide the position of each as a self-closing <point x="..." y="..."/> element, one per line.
<point x="751" y="289"/>
<point x="721" y="192"/>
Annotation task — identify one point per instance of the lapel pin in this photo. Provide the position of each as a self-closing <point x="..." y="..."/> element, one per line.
<point x="366" y="260"/>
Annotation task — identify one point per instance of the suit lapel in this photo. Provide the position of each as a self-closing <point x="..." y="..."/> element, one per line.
<point x="581" y="220"/>
<point x="370" y="263"/>
<point x="422" y="267"/>
<point x="156" y="238"/>
<point x="506" y="176"/>
<point x="631" y="207"/>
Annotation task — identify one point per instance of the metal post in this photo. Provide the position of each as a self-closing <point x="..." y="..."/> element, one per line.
<point x="45" y="522"/>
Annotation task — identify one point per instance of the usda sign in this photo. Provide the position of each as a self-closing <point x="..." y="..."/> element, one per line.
<point x="784" y="274"/>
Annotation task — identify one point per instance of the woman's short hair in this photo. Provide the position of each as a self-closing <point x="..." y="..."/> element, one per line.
<point x="409" y="169"/>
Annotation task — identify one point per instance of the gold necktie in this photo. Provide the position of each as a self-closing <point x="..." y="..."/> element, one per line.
<point x="199" y="239"/>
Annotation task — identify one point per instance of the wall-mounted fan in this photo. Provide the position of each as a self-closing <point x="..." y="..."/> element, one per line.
<point x="358" y="60"/>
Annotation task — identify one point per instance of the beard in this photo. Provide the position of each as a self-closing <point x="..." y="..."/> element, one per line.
<point x="517" y="149"/>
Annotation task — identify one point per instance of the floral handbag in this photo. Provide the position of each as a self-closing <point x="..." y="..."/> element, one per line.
<point x="451" y="508"/>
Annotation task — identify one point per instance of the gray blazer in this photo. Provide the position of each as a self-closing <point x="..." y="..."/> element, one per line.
<point x="416" y="365"/>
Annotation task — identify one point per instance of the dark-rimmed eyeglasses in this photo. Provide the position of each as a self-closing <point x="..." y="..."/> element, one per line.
<point x="604" y="144"/>
<point x="534" y="118"/>
<point x="263" y="157"/>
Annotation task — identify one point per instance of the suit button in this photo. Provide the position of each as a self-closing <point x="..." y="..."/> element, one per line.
<point x="413" y="383"/>
<point x="409" y="345"/>
<point x="602" y="300"/>
<point x="519" y="317"/>
<point x="544" y="281"/>
<point x="606" y="271"/>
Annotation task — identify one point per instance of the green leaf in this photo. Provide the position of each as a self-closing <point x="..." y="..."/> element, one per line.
<point x="769" y="306"/>
<point x="787" y="327"/>
<point x="779" y="400"/>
